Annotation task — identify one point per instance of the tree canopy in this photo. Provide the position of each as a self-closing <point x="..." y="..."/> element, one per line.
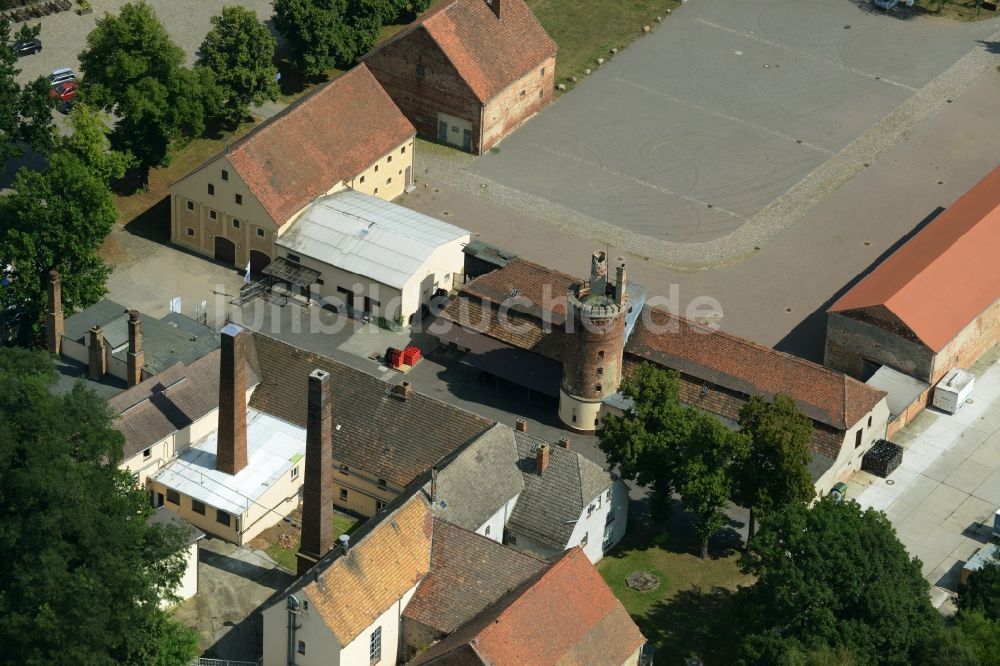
<point x="133" y="69"/>
<point x="982" y="592"/>
<point x="834" y="576"/>
<point x="57" y="219"/>
<point x="239" y="50"/>
<point x="774" y="472"/>
<point x="84" y="573"/>
<point x="25" y="110"/>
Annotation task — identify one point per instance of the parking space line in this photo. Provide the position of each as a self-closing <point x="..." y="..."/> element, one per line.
<point x="637" y="181"/>
<point x="804" y="54"/>
<point x="723" y="116"/>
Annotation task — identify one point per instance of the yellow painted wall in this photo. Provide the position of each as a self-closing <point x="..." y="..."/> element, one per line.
<point x="363" y="490"/>
<point x="386" y="177"/>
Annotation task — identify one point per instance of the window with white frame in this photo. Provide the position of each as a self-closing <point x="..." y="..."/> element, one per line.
<point x="375" y="646"/>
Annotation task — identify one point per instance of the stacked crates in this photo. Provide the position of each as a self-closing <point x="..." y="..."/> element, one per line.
<point x="411" y="355"/>
<point x="883" y="458"/>
<point x="393" y="357"/>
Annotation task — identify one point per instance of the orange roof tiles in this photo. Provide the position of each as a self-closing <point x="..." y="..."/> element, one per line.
<point x="356" y="588"/>
<point x="944" y="277"/>
<point x="566" y="616"/>
<point x="489" y="54"/>
<point x="740" y="365"/>
<point x="331" y="134"/>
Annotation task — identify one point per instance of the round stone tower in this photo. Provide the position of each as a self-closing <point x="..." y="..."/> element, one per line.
<point x="595" y="344"/>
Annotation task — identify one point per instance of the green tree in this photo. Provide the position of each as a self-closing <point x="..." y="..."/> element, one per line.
<point x="133" y="70"/>
<point x="775" y="472"/>
<point x="239" y="50"/>
<point x="89" y="142"/>
<point x="55" y="219"/>
<point x="835" y="575"/>
<point x="671" y="449"/>
<point x="982" y="592"/>
<point x="323" y="34"/>
<point x="84" y="574"/>
<point x="25" y="111"/>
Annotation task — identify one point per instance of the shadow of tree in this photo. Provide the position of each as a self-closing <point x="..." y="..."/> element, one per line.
<point x="153" y="223"/>
<point x="694" y="623"/>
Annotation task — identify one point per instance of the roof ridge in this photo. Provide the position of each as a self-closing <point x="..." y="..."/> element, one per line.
<point x="416" y="23"/>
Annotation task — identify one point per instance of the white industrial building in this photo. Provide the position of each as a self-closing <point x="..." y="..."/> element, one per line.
<point x="372" y="257"/>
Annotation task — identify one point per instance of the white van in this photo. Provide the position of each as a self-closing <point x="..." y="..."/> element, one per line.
<point x="61" y="75"/>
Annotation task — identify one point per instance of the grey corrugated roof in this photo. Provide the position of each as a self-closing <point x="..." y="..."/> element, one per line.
<point x="551" y="502"/>
<point x="479" y="480"/>
<point x="368" y="236"/>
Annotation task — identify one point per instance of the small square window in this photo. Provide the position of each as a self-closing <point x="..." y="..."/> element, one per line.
<point x="585" y="539"/>
<point x="173" y="496"/>
<point x="869" y="421"/>
<point x="511" y="539"/>
<point x="225" y="175"/>
<point x="608" y="494"/>
<point x="302" y="647"/>
<point x="190" y="231"/>
<point x="295" y="472"/>
<point x="295" y="258"/>
<point x="543" y="71"/>
<point x="198" y="507"/>
<point x="212" y="215"/>
<point x="597" y="388"/>
<point x="379" y="505"/>
<point x="399" y="173"/>
<point x="362" y="179"/>
<point x="600" y="371"/>
<point x="190" y="205"/>
<point x="541" y="94"/>
<point x="487" y="532"/>
<point x="388" y="159"/>
<point x="522" y="93"/>
<point x="376" y="190"/>
<point x="402" y="151"/>
<point x="147" y="453"/>
<point x="388" y="181"/>
<point x="239" y="199"/>
<point x="236" y="223"/>
<point x="222" y="517"/>
<point x="260" y="233"/>
<point x="381" y="483"/>
<point x="211" y="188"/>
<point x="343" y="494"/>
<point x="600" y="354"/>
<point x="376" y="168"/>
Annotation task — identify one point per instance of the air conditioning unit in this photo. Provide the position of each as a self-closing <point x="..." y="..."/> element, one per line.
<point x="953" y="390"/>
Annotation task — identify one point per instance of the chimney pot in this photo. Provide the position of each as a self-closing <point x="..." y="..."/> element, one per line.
<point x="599" y="273"/>
<point x="317" y="490"/>
<point x="136" y="358"/>
<point x="231" y="452"/>
<point x="402" y="391"/>
<point x="542" y="458"/>
<point x="564" y="442"/>
<point x="521" y="425"/>
<point x="345" y="543"/>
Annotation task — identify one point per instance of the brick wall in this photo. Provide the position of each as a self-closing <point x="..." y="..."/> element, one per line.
<point x="849" y="340"/>
<point x="592" y="358"/>
<point x="521" y="100"/>
<point x="437" y="87"/>
<point x="978" y="337"/>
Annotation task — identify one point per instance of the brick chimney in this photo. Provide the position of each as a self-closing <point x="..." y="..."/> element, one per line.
<point x="494" y="5"/>
<point x="54" y="317"/>
<point x="317" y="490"/>
<point x="402" y="391"/>
<point x="135" y="359"/>
<point x="564" y="442"/>
<point x="97" y="365"/>
<point x="621" y="286"/>
<point x="542" y="458"/>
<point x="231" y="454"/>
<point x="598" y="273"/>
<point x="521" y="425"/>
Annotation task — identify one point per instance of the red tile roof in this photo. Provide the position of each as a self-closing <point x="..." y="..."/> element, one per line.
<point x="946" y="275"/>
<point x="568" y="615"/>
<point x="489" y="54"/>
<point x="332" y="134"/>
<point x="740" y="365"/>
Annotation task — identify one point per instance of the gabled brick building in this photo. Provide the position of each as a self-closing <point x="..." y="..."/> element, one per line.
<point x="468" y="72"/>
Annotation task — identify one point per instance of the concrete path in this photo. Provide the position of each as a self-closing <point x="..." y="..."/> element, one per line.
<point x="943" y="496"/>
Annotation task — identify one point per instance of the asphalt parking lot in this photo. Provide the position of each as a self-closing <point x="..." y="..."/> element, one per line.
<point x="64" y="35"/>
<point x="688" y="134"/>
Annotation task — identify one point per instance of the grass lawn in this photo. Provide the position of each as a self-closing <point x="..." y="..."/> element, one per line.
<point x="687" y="612"/>
<point x="962" y="10"/>
<point x="586" y="30"/>
<point x="281" y="542"/>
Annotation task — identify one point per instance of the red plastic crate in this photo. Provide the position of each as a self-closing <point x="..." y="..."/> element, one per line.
<point x="411" y="355"/>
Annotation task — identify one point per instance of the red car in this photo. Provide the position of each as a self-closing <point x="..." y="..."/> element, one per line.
<point x="64" y="92"/>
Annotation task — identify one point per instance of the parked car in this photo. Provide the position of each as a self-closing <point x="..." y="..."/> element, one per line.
<point x="61" y="76"/>
<point x="65" y="107"/>
<point x="64" y="92"/>
<point x="27" y="47"/>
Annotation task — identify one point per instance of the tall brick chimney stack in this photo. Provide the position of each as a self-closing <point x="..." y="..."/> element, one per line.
<point x="97" y="365"/>
<point x="231" y="454"/>
<point x="54" y="317"/>
<point x="542" y="454"/>
<point x="317" y="492"/>
<point x="495" y="6"/>
<point x="136" y="359"/>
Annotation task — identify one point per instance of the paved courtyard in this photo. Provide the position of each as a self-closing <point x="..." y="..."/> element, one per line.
<point x="943" y="496"/>
<point x="689" y="133"/>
